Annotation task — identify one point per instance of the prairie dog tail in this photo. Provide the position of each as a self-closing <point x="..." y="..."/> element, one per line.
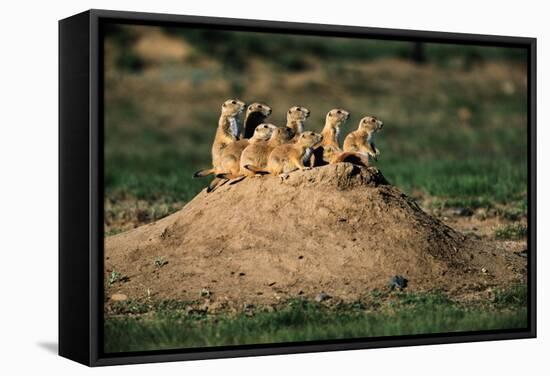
<point x="255" y="169"/>
<point x="215" y="183"/>
<point x="352" y="157"/>
<point x="203" y="173"/>
<point x="226" y="176"/>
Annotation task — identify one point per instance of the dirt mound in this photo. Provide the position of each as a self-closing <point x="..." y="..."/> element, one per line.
<point x="341" y="229"/>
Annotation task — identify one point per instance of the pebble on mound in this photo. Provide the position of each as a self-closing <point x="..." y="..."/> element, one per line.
<point x="341" y="229"/>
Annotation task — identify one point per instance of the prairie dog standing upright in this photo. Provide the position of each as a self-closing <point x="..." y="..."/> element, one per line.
<point x="257" y="154"/>
<point x="329" y="148"/>
<point x="359" y="144"/>
<point x="296" y="118"/>
<point x="256" y="113"/>
<point x="289" y="157"/>
<point x="227" y="132"/>
<point x="231" y="155"/>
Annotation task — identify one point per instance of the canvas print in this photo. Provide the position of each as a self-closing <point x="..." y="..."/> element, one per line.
<point x="264" y="188"/>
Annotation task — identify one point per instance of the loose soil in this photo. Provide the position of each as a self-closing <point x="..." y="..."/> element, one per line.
<point x="339" y="229"/>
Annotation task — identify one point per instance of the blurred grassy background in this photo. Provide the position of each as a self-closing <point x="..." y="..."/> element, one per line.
<point x="455" y="116"/>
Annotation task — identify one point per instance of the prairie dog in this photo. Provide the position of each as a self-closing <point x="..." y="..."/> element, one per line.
<point x="329" y="148"/>
<point x="256" y="113"/>
<point x="296" y="118"/>
<point x="257" y="154"/>
<point x="289" y="157"/>
<point x="228" y="127"/>
<point x="231" y="155"/>
<point x="227" y="132"/>
<point x="359" y="144"/>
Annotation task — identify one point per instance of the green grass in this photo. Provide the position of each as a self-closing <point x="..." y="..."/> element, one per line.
<point x="113" y="232"/>
<point x="514" y="296"/>
<point x="160" y="262"/>
<point x="114" y="277"/>
<point x="169" y="326"/>
<point x="512" y="232"/>
<point x="470" y="182"/>
<point x="151" y="151"/>
<point x="152" y="164"/>
<point x="158" y="133"/>
<point x="482" y="163"/>
<point x="154" y="143"/>
<point x="516" y="211"/>
<point x="159" y="169"/>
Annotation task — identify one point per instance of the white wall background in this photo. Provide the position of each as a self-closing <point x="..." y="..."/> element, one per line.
<point x="28" y="185"/>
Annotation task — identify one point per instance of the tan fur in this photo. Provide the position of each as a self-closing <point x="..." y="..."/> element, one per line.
<point x="290" y="157"/>
<point x="257" y="154"/>
<point x="329" y="148"/>
<point x="352" y="157"/>
<point x="231" y="155"/>
<point x="295" y="120"/>
<point x="226" y="132"/>
<point x="361" y="141"/>
<point x="256" y="113"/>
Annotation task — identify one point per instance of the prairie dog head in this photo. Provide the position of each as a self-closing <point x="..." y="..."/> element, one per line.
<point x="281" y="135"/>
<point x="233" y="107"/>
<point x="297" y="113"/>
<point x="309" y="139"/>
<point x="370" y="124"/>
<point x="263" y="132"/>
<point x="260" y="108"/>
<point x="336" y="117"/>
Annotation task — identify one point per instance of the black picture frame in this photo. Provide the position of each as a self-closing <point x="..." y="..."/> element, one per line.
<point x="81" y="186"/>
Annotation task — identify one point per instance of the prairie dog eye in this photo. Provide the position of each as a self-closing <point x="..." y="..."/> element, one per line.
<point x="338" y="112"/>
<point x="233" y="102"/>
<point x="298" y="109"/>
<point x="259" y="106"/>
